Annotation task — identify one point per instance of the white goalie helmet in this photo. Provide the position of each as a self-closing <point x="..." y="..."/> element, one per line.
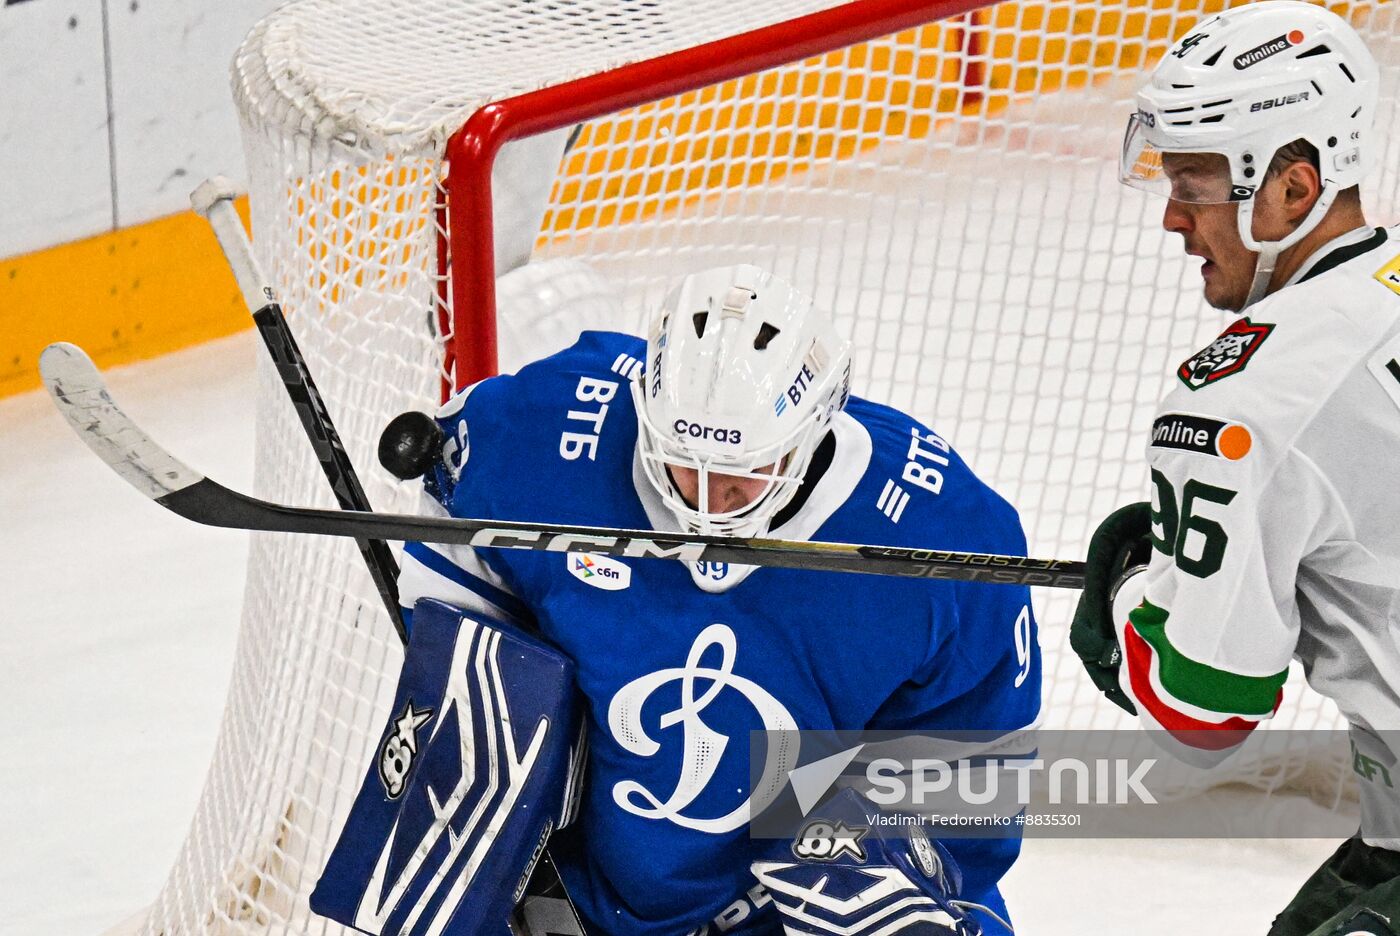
<point x="1244" y="83"/>
<point x="743" y="375"/>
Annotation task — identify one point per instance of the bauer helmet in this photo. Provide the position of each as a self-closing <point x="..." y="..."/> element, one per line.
<point x="1244" y="83"/>
<point x="743" y="375"/>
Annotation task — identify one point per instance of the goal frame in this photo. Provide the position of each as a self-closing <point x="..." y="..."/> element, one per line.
<point x="466" y="263"/>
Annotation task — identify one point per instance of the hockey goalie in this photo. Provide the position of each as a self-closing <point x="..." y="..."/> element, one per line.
<point x="733" y="418"/>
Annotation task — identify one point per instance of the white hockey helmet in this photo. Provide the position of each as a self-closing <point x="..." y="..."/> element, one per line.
<point x="1244" y="83"/>
<point x="743" y="375"/>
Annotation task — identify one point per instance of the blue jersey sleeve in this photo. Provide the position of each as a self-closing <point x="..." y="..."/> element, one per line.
<point x="458" y="575"/>
<point x="982" y="668"/>
<point x="979" y="666"/>
<point x="508" y="444"/>
<point x="982" y="672"/>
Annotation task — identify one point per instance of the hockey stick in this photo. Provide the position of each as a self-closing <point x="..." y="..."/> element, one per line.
<point x="214" y="200"/>
<point x="81" y="395"/>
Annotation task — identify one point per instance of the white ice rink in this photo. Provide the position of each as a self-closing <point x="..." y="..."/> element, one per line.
<point x="118" y="634"/>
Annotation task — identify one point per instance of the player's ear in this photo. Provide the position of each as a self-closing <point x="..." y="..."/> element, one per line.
<point x="1300" y="185"/>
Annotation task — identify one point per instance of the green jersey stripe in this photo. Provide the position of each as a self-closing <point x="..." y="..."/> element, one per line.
<point x="1198" y="684"/>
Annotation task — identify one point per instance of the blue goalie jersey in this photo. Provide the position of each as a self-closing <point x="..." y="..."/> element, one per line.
<point x="678" y="662"/>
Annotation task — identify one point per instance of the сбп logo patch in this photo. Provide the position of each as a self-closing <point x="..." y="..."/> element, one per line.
<point x="599" y="571"/>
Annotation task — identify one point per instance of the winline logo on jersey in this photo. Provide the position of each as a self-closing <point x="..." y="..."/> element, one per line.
<point x="1201" y="434"/>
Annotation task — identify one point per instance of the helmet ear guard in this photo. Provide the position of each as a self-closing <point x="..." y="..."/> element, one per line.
<point x="1243" y="84"/>
<point x="743" y="376"/>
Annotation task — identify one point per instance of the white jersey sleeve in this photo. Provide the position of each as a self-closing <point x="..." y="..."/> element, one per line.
<point x="1210" y="643"/>
<point x="1270" y="464"/>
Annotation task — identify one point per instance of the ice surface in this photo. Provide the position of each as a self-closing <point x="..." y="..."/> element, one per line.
<point x="117" y="631"/>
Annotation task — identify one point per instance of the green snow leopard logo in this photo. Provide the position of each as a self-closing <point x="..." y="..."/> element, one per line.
<point x="1224" y="356"/>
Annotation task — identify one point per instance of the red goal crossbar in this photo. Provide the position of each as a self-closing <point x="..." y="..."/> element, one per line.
<point x="468" y="312"/>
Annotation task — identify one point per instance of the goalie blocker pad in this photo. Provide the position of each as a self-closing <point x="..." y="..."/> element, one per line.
<point x="841" y="874"/>
<point x="474" y="770"/>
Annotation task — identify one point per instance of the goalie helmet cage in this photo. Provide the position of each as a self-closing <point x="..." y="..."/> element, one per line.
<point x="942" y="179"/>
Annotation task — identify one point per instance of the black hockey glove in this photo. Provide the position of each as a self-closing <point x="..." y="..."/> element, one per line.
<point x="1122" y="544"/>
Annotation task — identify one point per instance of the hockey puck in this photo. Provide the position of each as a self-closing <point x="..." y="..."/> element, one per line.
<point x="409" y="445"/>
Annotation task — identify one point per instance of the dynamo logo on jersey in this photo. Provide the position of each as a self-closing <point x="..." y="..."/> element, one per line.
<point x="599" y="571"/>
<point x="702" y="745"/>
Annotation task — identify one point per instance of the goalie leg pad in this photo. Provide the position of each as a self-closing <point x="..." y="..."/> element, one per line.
<point x="472" y="773"/>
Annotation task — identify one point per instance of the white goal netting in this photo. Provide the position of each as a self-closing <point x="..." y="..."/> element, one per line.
<point x="949" y="192"/>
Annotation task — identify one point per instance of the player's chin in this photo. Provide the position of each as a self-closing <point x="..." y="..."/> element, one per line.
<point x="1218" y="294"/>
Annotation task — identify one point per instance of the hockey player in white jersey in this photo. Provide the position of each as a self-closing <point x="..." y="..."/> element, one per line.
<point x="733" y="418"/>
<point x="1273" y="529"/>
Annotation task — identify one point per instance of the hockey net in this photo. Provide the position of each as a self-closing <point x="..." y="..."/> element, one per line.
<point x="947" y="190"/>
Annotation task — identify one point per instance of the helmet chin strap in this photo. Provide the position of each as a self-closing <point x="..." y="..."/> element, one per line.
<point x="1268" y="251"/>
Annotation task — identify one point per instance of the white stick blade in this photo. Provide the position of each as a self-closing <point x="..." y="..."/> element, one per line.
<point x="81" y="396"/>
<point x="213" y="198"/>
